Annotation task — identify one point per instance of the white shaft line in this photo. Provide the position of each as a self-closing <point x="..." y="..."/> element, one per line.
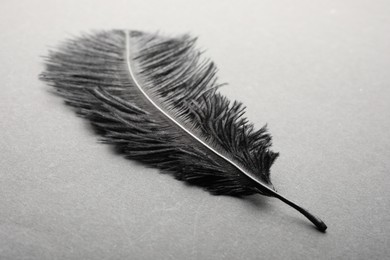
<point x="134" y="79"/>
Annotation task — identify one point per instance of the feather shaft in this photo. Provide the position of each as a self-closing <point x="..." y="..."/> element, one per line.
<point x="315" y="220"/>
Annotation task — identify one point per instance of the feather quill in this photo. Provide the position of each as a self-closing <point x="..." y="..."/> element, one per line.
<point x="155" y="99"/>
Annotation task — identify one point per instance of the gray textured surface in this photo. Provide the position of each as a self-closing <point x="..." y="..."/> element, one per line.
<point x="318" y="73"/>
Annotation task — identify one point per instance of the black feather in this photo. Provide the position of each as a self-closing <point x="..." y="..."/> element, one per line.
<point x="156" y="100"/>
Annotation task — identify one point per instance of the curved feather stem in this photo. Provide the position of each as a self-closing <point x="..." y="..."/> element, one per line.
<point x="316" y="221"/>
<point x="321" y="226"/>
<point x="178" y="124"/>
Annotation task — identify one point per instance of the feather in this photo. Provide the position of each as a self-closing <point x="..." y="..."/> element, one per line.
<point x="156" y="100"/>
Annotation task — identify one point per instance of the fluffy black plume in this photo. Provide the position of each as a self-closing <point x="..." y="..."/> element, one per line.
<point x="156" y="100"/>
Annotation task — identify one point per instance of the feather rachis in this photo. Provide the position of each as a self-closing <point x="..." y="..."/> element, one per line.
<point x="187" y="131"/>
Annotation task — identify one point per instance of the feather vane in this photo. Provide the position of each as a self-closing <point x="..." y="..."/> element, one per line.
<point x="156" y="100"/>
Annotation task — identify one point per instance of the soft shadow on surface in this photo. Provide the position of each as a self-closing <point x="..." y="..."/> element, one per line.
<point x="256" y="201"/>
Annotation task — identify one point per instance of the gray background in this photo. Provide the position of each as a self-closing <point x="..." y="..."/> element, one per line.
<point x="316" y="72"/>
